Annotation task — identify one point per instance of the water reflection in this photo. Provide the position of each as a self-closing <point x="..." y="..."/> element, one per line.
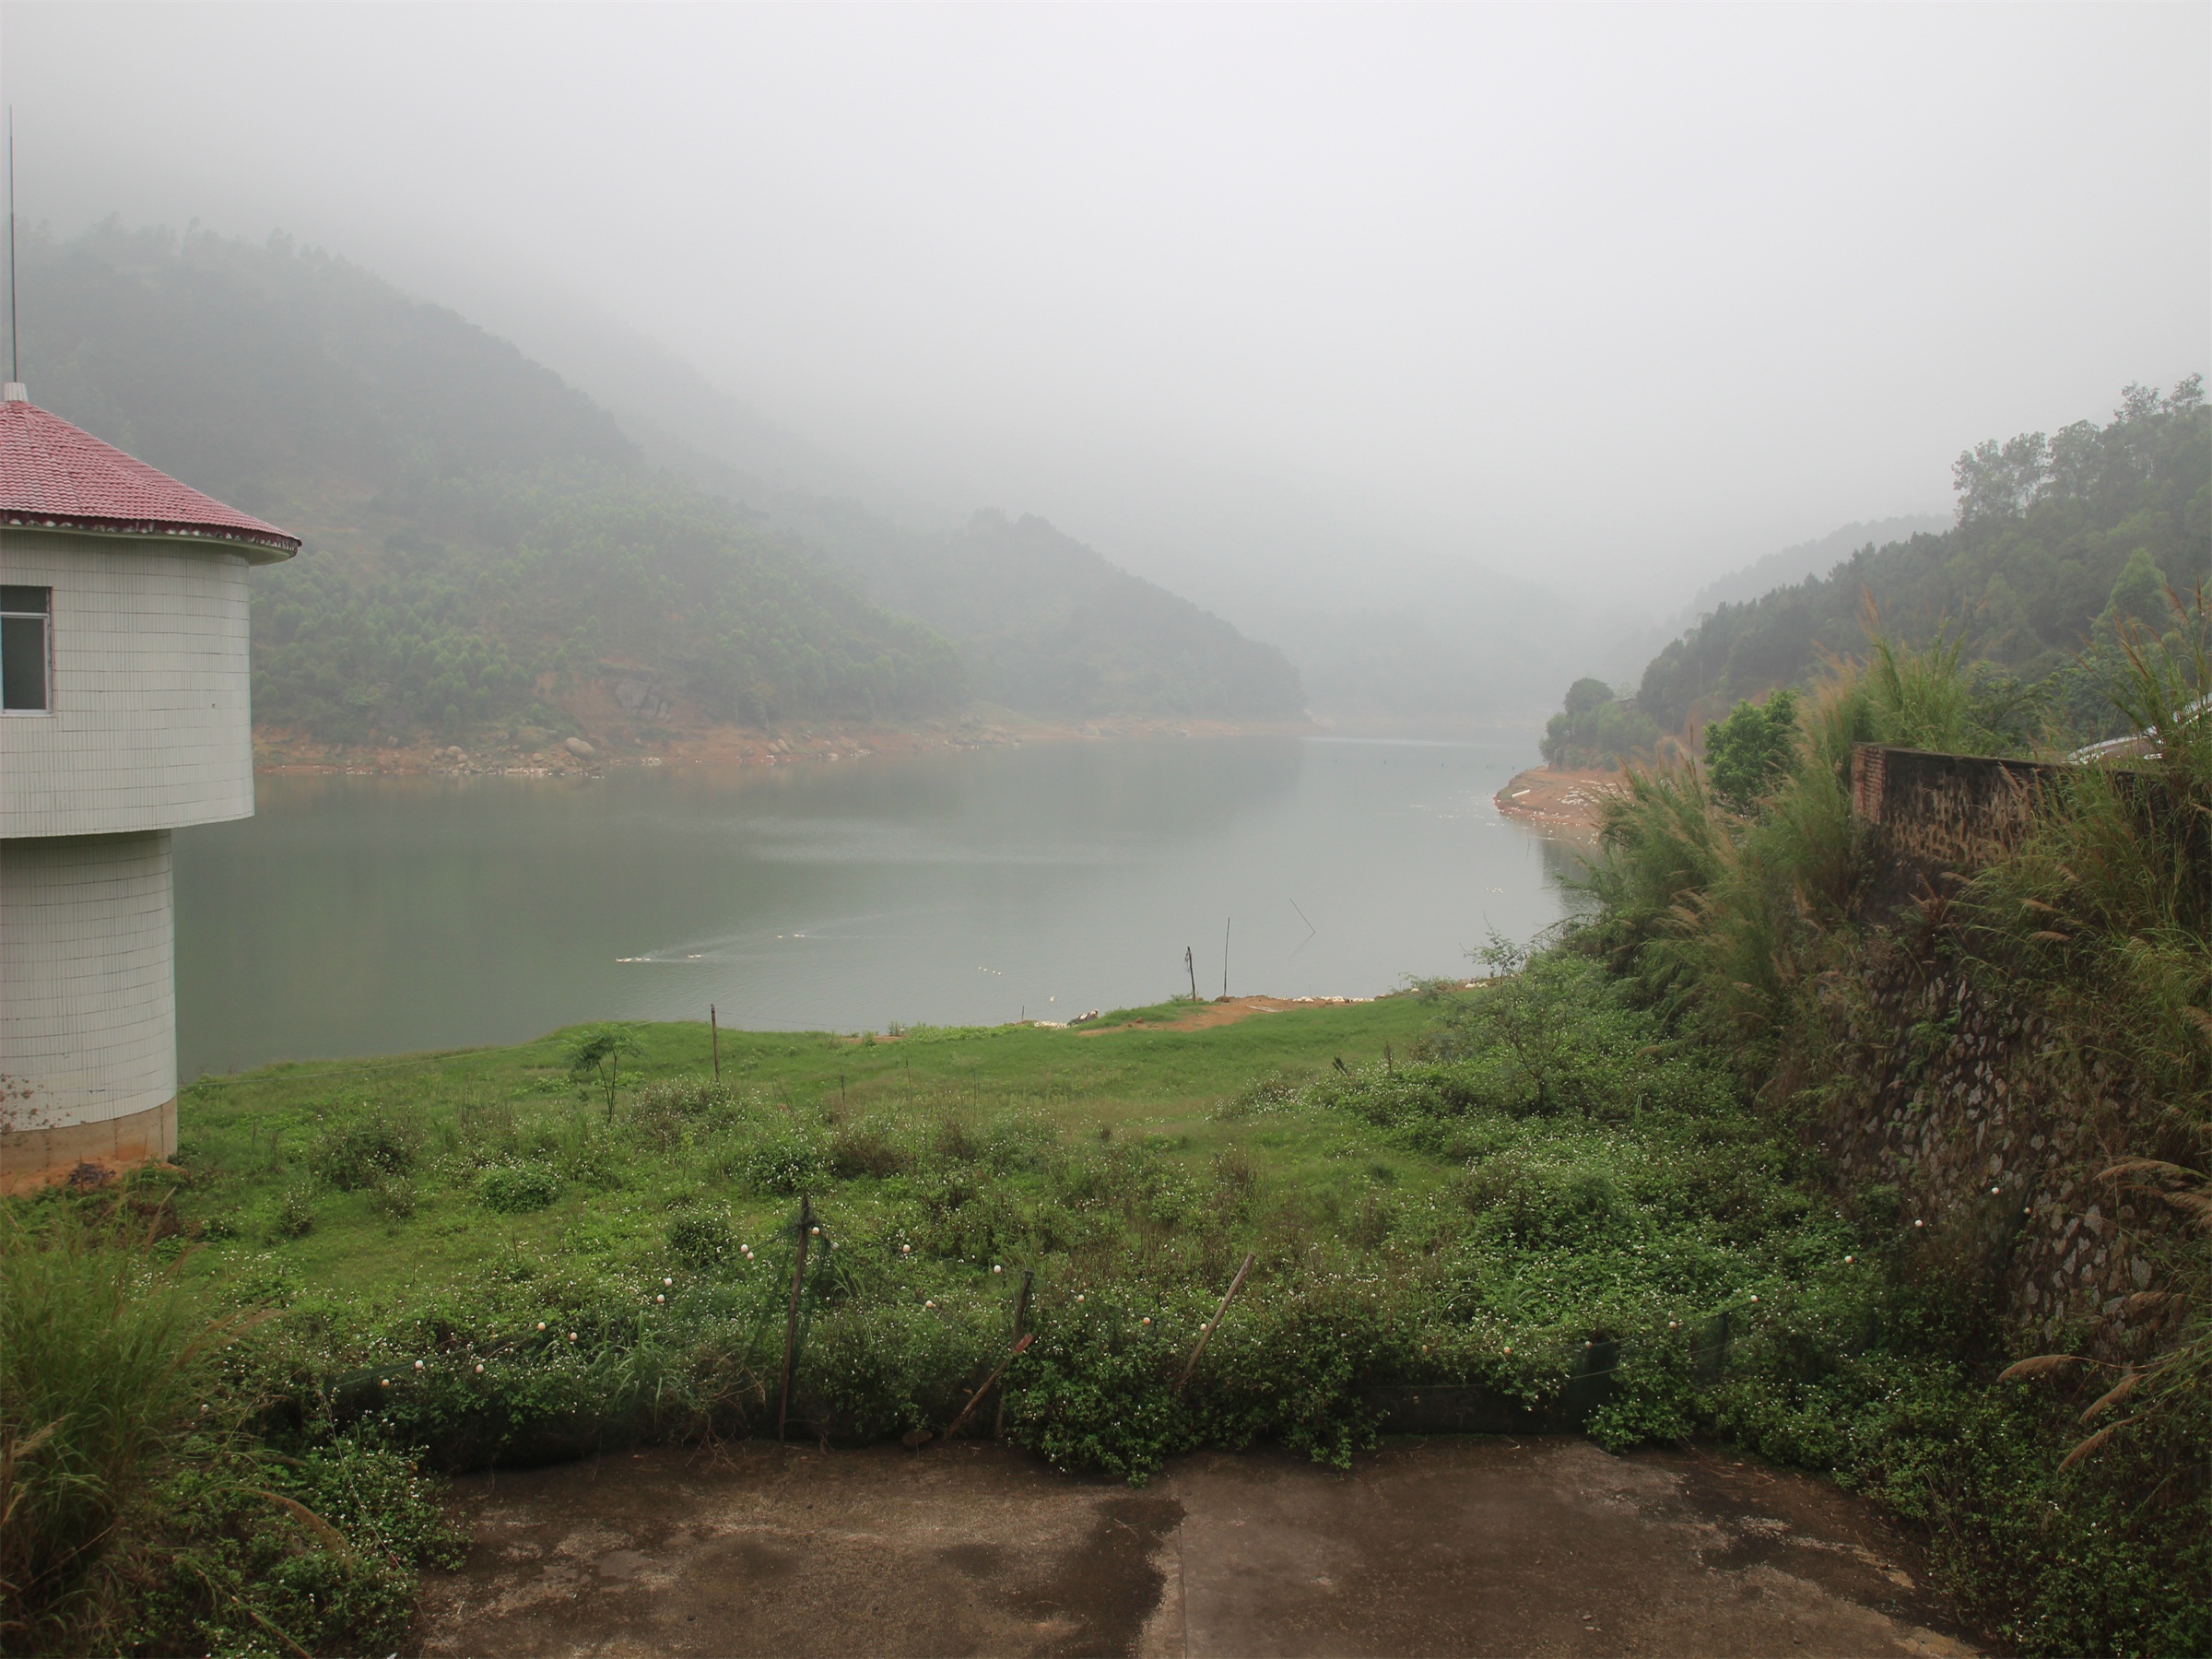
<point x="358" y="915"/>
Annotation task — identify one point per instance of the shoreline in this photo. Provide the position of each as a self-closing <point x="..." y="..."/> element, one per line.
<point x="534" y="753"/>
<point x="1558" y="799"/>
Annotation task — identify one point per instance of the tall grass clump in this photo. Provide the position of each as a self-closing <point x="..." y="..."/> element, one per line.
<point x="2073" y="1524"/>
<point x="2103" y="917"/>
<point x="1729" y="912"/>
<point x="2106" y="907"/>
<point x="102" y="1357"/>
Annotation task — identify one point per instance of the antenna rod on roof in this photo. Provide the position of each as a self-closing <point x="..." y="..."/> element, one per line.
<point x="15" y="368"/>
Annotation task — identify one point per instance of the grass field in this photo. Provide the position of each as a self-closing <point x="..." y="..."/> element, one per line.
<point x="251" y="1142"/>
<point x="493" y="1256"/>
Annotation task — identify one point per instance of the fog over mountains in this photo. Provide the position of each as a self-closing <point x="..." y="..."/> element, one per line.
<point x="479" y="521"/>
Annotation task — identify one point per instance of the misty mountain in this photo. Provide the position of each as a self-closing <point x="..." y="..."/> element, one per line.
<point x="1816" y="558"/>
<point x="1047" y="623"/>
<point x="2059" y="543"/>
<point x="1043" y="623"/>
<point x="482" y="537"/>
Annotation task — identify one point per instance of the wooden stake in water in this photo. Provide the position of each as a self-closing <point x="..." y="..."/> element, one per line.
<point x="1021" y="1317"/>
<point x="1206" y="1330"/>
<point x="715" y="1036"/>
<point x="791" y="1325"/>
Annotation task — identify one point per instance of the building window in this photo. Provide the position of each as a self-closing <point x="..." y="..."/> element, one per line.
<point x="26" y="629"/>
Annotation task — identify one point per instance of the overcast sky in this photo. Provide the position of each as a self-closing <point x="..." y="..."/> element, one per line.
<point x="1612" y="298"/>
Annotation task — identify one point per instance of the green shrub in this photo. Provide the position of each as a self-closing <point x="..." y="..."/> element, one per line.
<point x="517" y="1188"/>
<point x="1750" y="752"/>
<point x="255" y="1553"/>
<point x="786" y="1163"/>
<point x="363" y="1150"/>
<point x="867" y="1150"/>
<point x="702" y="1238"/>
<point x="394" y="1198"/>
<point x="295" y="1216"/>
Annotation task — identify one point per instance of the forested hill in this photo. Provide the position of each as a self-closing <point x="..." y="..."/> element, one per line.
<point x="2059" y="541"/>
<point x="1043" y="623"/>
<point x="480" y="537"/>
<point x="482" y="540"/>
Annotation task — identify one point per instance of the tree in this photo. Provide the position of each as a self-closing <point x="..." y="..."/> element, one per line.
<point x="595" y="1056"/>
<point x="1748" y="752"/>
<point x="1596" y="728"/>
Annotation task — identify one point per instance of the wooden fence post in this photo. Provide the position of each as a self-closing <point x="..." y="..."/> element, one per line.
<point x="791" y="1323"/>
<point x="714" y="1035"/>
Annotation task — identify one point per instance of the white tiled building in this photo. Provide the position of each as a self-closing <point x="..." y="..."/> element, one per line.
<point x="124" y="714"/>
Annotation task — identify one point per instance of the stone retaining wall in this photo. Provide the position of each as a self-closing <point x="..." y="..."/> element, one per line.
<point x="1998" y="1142"/>
<point x="1995" y="1137"/>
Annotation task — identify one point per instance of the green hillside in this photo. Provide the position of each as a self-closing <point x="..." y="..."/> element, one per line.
<point x="2060" y="541"/>
<point x="480" y="536"/>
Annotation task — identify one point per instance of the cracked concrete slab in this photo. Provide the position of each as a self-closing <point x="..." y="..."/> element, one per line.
<point x="1446" y="1547"/>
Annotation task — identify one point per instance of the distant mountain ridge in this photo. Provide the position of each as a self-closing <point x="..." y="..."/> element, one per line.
<point x="1816" y="557"/>
<point x="482" y="535"/>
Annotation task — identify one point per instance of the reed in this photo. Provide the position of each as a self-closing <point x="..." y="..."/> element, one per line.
<point x="101" y="1356"/>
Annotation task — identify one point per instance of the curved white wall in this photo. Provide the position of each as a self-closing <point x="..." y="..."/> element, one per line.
<point x="151" y="726"/>
<point x="87" y="981"/>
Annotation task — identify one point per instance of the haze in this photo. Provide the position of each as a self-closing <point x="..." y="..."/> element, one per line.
<point x="1611" y="300"/>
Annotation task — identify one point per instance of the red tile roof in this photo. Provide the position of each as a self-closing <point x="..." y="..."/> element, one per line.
<point x="54" y="474"/>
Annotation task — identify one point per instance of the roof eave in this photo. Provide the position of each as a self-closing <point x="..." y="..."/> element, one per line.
<point x="272" y="548"/>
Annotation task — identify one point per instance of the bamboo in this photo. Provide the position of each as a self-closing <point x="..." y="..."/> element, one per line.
<point x="1022" y="1316"/>
<point x="976" y="1399"/>
<point x="1190" y="1364"/>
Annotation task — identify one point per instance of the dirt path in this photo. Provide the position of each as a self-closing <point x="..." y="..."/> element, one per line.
<point x="1450" y="1547"/>
<point x="1204" y="1017"/>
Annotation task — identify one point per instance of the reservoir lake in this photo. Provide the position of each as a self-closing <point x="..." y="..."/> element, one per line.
<point x="373" y="916"/>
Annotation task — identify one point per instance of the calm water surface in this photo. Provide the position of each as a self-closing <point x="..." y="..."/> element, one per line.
<point x="366" y="915"/>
